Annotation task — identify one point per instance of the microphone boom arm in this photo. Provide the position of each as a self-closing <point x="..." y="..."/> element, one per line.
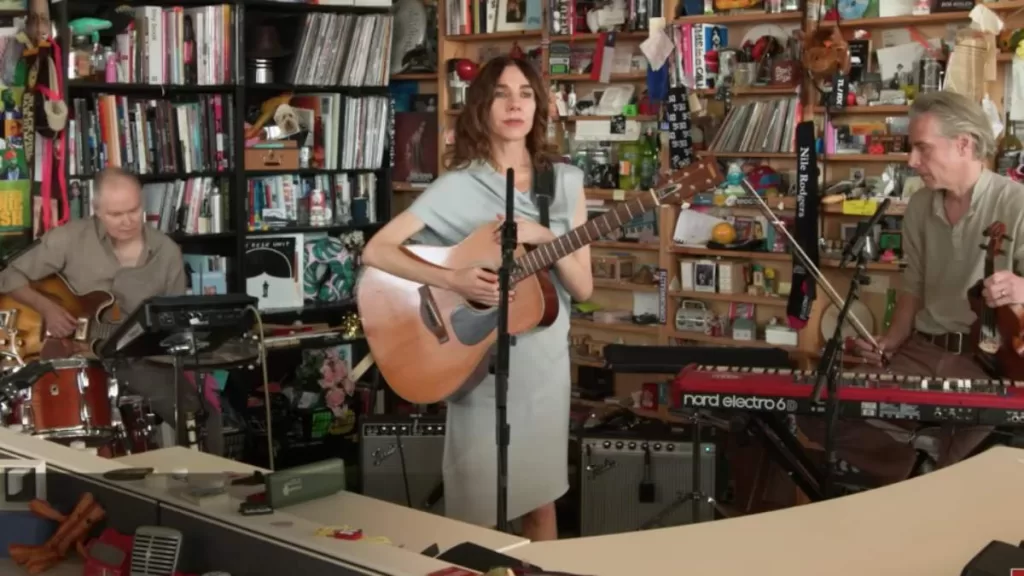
<point x="834" y="296"/>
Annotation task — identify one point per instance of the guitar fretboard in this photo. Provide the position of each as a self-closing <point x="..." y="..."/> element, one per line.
<point x="547" y="254"/>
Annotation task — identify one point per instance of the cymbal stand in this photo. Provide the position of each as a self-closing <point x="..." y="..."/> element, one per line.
<point x="179" y="346"/>
<point x="696" y="497"/>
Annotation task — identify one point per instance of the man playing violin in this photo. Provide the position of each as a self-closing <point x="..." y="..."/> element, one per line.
<point x="951" y="140"/>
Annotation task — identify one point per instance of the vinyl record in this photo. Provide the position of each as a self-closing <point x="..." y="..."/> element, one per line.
<point x="857" y="309"/>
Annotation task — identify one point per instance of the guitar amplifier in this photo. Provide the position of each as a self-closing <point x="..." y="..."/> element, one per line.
<point x="628" y="483"/>
<point x="418" y="440"/>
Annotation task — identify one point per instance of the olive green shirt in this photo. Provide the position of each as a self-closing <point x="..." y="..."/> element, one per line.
<point x="943" y="262"/>
<point x="84" y="254"/>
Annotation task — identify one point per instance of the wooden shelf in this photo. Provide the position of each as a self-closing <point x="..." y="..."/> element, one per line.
<point x="772" y="155"/>
<point x="610" y="195"/>
<point x="727" y="341"/>
<point x="851" y="110"/>
<point x="415" y="76"/>
<point x="630" y="77"/>
<point x="867" y="158"/>
<point x="605" y="245"/>
<point x="495" y="36"/>
<point x="625" y="286"/>
<point x="716" y="297"/>
<point x="644" y="329"/>
<point x="754" y="91"/>
<point x="638" y="118"/>
<point x="589" y="37"/>
<point x="407" y="187"/>
<point x="708" y="253"/>
<point x="900" y="21"/>
<point x="741" y="18"/>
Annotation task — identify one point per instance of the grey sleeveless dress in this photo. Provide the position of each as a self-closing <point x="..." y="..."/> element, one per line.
<point x="538" y="399"/>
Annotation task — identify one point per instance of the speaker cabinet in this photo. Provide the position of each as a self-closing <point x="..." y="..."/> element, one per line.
<point x="613" y="470"/>
<point x="386" y="442"/>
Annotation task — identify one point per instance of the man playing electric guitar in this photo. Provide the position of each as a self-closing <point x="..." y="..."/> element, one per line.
<point x="114" y="251"/>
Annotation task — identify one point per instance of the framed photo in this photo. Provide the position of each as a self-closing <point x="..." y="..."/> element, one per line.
<point x="705" y="276"/>
<point x="511" y="15"/>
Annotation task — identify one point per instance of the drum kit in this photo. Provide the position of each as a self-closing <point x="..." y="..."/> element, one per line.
<point x="75" y="401"/>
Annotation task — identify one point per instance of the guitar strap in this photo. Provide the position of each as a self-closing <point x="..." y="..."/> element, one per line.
<point x="544" y="193"/>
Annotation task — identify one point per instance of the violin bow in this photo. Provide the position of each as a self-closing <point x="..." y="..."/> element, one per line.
<point x="834" y="296"/>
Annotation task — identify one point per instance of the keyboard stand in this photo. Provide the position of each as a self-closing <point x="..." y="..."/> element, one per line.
<point x="787" y="452"/>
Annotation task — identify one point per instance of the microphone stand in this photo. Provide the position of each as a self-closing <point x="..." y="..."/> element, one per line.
<point x="828" y="373"/>
<point x="509" y="237"/>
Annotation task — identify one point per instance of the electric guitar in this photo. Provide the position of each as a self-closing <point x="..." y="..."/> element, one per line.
<point x="23" y="330"/>
<point x="428" y="341"/>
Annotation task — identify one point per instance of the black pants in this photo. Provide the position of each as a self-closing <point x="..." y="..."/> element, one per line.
<point x="155" y="383"/>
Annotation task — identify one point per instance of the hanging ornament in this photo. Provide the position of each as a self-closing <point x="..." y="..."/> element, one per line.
<point x="351" y="326"/>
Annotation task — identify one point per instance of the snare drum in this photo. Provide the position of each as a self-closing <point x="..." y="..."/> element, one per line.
<point x="73" y="402"/>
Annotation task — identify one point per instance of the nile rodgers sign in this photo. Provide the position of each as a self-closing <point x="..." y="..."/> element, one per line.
<point x="734" y="402"/>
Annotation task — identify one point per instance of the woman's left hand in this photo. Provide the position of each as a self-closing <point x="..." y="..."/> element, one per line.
<point x="527" y="232"/>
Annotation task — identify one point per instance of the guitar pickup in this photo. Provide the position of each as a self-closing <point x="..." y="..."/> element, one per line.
<point x="82" y="329"/>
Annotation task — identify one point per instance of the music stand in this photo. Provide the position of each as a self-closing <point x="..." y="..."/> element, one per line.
<point x="625" y="359"/>
<point x="181" y="327"/>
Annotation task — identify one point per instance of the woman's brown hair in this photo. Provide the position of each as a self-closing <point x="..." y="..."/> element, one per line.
<point x="472" y="127"/>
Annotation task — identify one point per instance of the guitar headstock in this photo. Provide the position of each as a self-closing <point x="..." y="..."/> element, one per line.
<point x="996" y="234"/>
<point x="682" y="184"/>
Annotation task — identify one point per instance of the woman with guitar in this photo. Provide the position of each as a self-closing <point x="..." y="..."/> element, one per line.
<point x="503" y="125"/>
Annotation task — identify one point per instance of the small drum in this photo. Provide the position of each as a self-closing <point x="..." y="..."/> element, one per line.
<point x="73" y="402"/>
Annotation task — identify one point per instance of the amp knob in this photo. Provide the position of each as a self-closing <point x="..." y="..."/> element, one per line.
<point x="619" y="445"/>
<point x="632" y="445"/>
<point x="607" y="444"/>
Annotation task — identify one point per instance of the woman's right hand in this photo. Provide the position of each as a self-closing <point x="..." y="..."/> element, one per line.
<point x="476" y="285"/>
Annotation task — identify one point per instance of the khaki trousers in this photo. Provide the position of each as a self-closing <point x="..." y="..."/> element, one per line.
<point x="888" y="450"/>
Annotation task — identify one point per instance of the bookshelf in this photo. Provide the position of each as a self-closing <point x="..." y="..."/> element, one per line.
<point x="230" y="84"/>
<point x="663" y="253"/>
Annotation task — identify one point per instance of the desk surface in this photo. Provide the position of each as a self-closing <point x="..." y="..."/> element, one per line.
<point x="931" y="525"/>
<point x="411" y="529"/>
<point x="280" y="528"/>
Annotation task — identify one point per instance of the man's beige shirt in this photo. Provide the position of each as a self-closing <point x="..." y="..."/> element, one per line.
<point x="84" y="254"/>
<point x="944" y="262"/>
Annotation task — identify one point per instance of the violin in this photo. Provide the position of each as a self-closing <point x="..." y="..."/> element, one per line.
<point x="997" y="336"/>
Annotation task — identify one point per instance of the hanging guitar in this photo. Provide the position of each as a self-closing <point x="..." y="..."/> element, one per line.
<point x="428" y="341"/>
<point x="997" y="335"/>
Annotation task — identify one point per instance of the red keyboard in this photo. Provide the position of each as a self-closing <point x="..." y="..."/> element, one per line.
<point x="882" y="396"/>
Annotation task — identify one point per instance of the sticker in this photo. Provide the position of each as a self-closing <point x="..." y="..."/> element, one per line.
<point x="618" y="125"/>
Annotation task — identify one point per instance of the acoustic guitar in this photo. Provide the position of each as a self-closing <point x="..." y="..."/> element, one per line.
<point x="23" y="331"/>
<point x="428" y="341"/>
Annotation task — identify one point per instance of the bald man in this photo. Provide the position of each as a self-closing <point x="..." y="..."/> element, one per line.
<point x="113" y="251"/>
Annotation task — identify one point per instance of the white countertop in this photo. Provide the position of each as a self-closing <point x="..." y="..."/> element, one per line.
<point x="928" y="526"/>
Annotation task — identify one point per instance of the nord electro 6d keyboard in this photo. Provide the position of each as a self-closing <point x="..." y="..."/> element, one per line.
<point x="881" y="396"/>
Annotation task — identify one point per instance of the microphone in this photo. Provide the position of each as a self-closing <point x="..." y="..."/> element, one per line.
<point x="855" y="244"/>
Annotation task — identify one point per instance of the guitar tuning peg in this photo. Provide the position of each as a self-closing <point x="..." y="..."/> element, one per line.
<point x="1007" y="238"/>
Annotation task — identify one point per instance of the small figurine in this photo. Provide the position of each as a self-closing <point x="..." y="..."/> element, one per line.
<point x="319" y="213"/>
<point x="732" y="187"/>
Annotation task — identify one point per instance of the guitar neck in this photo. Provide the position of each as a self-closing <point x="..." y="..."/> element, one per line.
<point x="547" y="254"/>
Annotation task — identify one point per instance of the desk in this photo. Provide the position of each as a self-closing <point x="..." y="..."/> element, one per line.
<point x="297" y="533"/>
<point x="928" y="526"/>
<point x="405" y="527"/>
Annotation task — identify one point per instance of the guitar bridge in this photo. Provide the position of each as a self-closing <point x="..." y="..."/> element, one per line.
<point x="82" y="329"/>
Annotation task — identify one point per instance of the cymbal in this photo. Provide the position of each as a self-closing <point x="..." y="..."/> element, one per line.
<point x="231" y="354"/>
